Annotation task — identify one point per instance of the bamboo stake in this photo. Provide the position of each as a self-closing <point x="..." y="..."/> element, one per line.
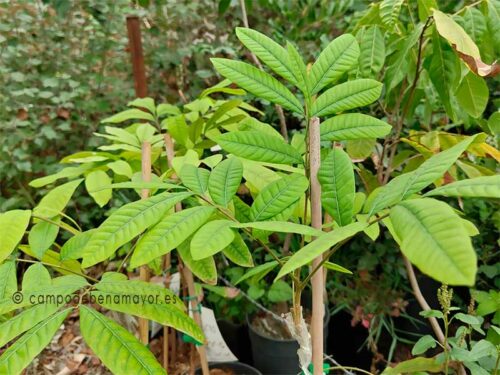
<point x="317" y="281"/>
<point x="186" y="272"/>
<point x="140" y="84"/>
<point x="144" y="271"/>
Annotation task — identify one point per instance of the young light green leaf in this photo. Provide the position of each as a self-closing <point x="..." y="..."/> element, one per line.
<point x="170" y="232"/>
<point x="41" y="237"/>
<point x="443" y="71"/>
<point x="280" y="226"/>
<point x="257" y="82"/>
<point x="415" y="365"/>
<point x="396" y="71"/>
<point x="56" y="200"/>
<point x="36" y="276"/>
<point x="25" y="321"/>
<point x="225" y="180"/>
<point x="319" y="246"/>
<point x="73" y="248"/>
<point x="204" y="269"/>
<point x="195" y="179"/>
<point x="474" y="24"/>
<point x="486" y="187"/>
<point x="126" y="223"/>
<point x="434" y="239"/>
<point x="429" y="171"/>
<point x="372" y="50"/>
<point x="94" y="182"/>
<point x="121" y="167"/>
<point x="141" y="185"/>
<point x="129" y="114"/>
<point x="20" y="354"/>
<point x="423" y="344"/>
<point x="267" y="50"/>
<point x="221" y="111"/>
<point x="353" y="126"/>
<point x="278" y="196"/>
<point x="68" y="172"/>
<point x="8" y="280"/>
<point x="347" y="95"/>
<point x="258" y="271"/>
<point x="336" y="176"/>
<point x="472" y="94"/>
<point x="117" y="348"/>
<point x="280" y="291"/>
<point x="337" y="268"/>
<point x="238" y="253"/>
<point x="211" y="238"/>
<point x="336" y="59"/>
<point x="256" y="146"/>
<point x="147" y="103"/>
<point x="298" y="67"/>
<point x="389" y="12"/>
<point x="12" y="226"/>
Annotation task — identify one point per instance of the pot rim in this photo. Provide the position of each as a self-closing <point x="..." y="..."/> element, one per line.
<point x="238" y="363"/>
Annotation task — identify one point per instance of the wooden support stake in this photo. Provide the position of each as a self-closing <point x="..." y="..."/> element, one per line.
<point x="135" y="47"/>
<point x="140" y="84"/>
<point x="144" y="271"/>
<point x="317" y="281"/>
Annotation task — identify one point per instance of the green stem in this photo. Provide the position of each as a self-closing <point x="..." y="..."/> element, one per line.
<point x="61" y="225"/>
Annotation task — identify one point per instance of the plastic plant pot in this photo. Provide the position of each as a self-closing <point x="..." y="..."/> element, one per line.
<point x="231" y="368"/>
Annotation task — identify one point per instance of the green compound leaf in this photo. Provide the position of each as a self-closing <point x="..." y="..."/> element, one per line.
<point x="238" y="253"/>
<point x="336" y="176"/>
<point x="353" y="126"/>
<point x="372" y="51"/>
<point x="267" y="50"/>
<point x="403" y="186"/>
<point x="97" y="184"/>
<point x="485" y="187"/>
<point x="114" y="284"/>
<point x="225" y="180"/>
<point x="73" y="248"/>
<point x="204" y="269"/>
<point x="126" y="223"/>
<point x="280" y="226"/>
<point x="319" y="246"/>
<point x="20" y="354"/>
<point x="256" y="146"/>
<point x="41" y="237"/>
<point x="170" y="232"/>
<point x="433" y="238"/>
<point x="277" y="196"/>
<point x="117" y="348"/>
<point x="347" y="95"/>
<point x="211" y="238"/>
<point x="257" y="82"/>
<point x="25" y="321"/>
<point x="148" y="301"/>
<point x="12" y="226"/>
<point x="195" y="179"/>
<point x="336" y="59"/>
<point x="56" y="200"/>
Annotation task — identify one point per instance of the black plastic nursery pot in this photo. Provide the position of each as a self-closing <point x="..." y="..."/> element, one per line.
<point x="231" y="368"/>
<point x="277" y="356"/>
<point x="237" y="339"/>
